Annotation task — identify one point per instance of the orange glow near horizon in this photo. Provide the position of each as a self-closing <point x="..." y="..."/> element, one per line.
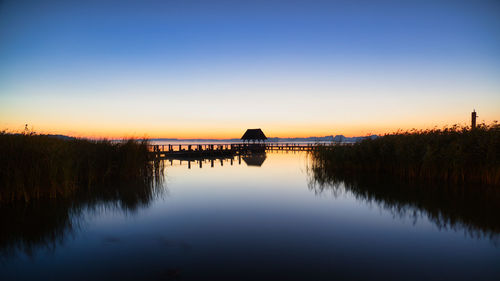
<point x="271" y="129"/>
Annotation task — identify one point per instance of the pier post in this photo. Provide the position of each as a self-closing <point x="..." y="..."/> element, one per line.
<point x="473" y="119"/>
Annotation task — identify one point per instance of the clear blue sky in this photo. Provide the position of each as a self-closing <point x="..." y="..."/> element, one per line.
<point x="214" y="68"/>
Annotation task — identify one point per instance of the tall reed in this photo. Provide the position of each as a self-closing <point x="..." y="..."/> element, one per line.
<point x="37" y="166"/>
<point x="46" y="183"/>
<point x="455" y="155"/>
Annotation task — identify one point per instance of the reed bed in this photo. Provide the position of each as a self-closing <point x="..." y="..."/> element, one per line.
<point x="46" y="184"/>
<point x="454" y="155"/>
<point x="38" y="166"/>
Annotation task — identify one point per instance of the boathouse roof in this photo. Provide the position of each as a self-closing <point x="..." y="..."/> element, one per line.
<point x="254" y="134"/>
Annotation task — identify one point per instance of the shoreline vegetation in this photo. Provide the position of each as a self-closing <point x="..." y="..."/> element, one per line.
<point x="47" y="182"/>
<point x="37" y="166"/>
<point x="455" y="155"/>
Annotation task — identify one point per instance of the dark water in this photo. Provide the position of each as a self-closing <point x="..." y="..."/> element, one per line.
<point x="266" y="218"/>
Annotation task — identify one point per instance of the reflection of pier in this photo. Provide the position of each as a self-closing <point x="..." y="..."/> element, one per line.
<point x="222" y="150"/>
<point x="254" y="159"/>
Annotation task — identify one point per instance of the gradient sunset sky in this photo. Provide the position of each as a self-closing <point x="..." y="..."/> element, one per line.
<point x="211" y="69"/>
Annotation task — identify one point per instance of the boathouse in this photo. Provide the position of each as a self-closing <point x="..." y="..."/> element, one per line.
<point x="254" y="135"/>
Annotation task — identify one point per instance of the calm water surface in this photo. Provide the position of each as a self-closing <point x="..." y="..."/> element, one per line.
<point x="249" y="222"/>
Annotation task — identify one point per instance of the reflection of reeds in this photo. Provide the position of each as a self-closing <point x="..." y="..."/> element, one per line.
<point x="45" y="222"/>
<point x="454" y="155"/>
<point x="35" y="166"/>
<point x="46" y="183"/>
<point x="469" y="208"/>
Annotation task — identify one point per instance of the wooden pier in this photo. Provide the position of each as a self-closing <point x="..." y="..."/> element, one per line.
<point x="290" y="146"/>
<point x="180" y="151"/>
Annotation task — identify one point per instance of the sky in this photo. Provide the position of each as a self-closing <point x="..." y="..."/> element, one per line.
<point x="211" y="69"/>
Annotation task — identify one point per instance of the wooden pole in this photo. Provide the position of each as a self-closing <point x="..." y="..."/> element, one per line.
<point x="473" y="119"/>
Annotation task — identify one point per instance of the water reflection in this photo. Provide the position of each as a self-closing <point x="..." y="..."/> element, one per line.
<point x="44" y="222"/>
<point x="233" y="222"/>
<point x="255" y="159"/>
<point x="471" y="209"/>
<point x="252" y="159"/>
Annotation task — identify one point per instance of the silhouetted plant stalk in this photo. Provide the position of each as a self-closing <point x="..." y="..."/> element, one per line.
<point x="46" y="183"/>
<point x="455" y="155"/>
<point x="37" y="166"/>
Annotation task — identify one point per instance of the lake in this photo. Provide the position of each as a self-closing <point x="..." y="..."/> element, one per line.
<point x="261" y="217"/>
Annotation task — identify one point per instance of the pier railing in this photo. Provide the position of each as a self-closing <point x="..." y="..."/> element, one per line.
<point x="201" y="150"/>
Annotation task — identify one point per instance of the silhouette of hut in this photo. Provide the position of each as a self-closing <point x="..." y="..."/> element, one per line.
<point x="254" y="135"/>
